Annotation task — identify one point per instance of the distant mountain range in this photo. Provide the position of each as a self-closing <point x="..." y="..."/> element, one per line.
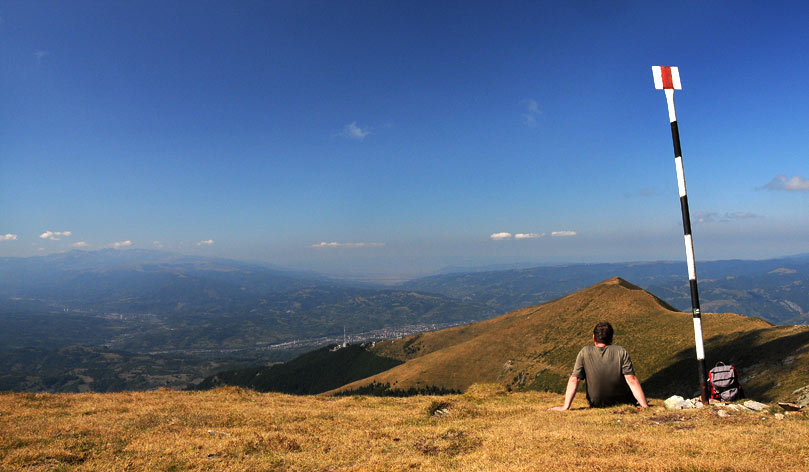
<point x="142" y="302"/>
<point x="776" y="290"/>
<point x="176" y="319"/>
<point x="146" y="301"/>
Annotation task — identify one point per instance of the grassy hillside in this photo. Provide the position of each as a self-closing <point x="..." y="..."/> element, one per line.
<point x="534" y="348"/>
<point x="485" y="429"/>
<point x="314" y="372"/>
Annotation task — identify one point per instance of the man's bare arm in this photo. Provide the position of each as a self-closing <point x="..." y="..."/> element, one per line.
<point x="637" y="390"/>
<point x="570" y="393"/>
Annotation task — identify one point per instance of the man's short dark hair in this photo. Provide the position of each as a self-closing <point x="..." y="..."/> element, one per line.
<point x="603" y="333"/>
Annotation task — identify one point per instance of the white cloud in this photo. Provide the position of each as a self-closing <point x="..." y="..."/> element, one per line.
<point x="530" y="111"/>
<point x="120" y="244"/>
<point x="500" y="236"/>
<point x="55" y="235"/>
<point x="781" y="182"/>
<point x="80" y="244"/>
<point x="353" y="131"/>
<point x="528" y="235"/>
<point x="336" y="244"/>
<point x="158" y="244"/>
<point x="206" y="242"/>
<point x="8" y="237"/>
<point x="560" y="234"/>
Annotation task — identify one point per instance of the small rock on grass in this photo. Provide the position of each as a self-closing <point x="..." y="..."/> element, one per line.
<point x="441" y="412"/>
<point x="676" y="402"/>
<point x="755" y="406"/>
<point x="802" y="396"/>
<point x="733" y="407"/>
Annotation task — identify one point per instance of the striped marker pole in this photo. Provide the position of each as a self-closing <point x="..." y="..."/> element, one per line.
<point x="668" y="79"/>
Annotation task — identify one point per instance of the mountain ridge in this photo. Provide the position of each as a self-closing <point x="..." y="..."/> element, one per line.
<point x="534" y="348"/>
<point x="773" y="289"/>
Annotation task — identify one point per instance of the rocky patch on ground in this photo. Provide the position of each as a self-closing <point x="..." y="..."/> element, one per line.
<point x="723" y="409"/>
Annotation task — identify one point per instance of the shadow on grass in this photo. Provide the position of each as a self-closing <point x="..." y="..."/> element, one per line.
<point x="742" y="351"/>
<point x="384" y="390"/>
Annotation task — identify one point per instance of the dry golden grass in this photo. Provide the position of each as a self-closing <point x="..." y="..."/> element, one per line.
<point x="484" y="429"/>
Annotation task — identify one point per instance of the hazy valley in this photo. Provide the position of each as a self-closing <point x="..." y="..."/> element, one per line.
<point x="148" y="319"/>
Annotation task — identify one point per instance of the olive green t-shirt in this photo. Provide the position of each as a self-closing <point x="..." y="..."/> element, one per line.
<point x="604" y="368"/>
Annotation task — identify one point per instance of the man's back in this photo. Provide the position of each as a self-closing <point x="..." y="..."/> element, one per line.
<point x="604" y="369"/>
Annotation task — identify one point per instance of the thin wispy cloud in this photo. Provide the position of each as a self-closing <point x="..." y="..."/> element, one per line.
<point x="120" y="244"/>
<point x="8" y="237"/>
<point x="714" y="217"/>
<point x="530" y="111"/>
<point x="352" y="131"/>
<point x="742" y="215"/>
<point x="207" y="242"/>
<point x="338" y="244"/>
<point x="563" y="234"/>
<point x="55" y="235"/>
<point x="80" y="244"/>
<point x="158" y="244"/>
<point x="40" y="54"/>
<point x="500" y="236"/>
<point x="781" y="182"/>
<point x="528" y="235"/>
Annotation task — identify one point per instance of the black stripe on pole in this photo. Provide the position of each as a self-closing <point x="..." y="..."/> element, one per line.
<point x="695" y="298"/>
<point x="702" y="371"/>
<point x="686" y="213"/>
<point x="675" y="137"/>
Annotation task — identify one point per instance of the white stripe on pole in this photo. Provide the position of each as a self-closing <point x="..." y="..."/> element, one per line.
<point x="670" y="101"/>
<point x="698" y="338"/>
<point x="658" y="77"/>
<point x="678" y="163"/>
<point x="689" y="256"/>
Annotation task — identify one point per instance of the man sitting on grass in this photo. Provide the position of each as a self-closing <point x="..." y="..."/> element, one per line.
<point x="608" y="371"/>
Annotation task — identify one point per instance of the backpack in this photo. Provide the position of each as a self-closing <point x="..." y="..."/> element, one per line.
<point x="724" y="385"/>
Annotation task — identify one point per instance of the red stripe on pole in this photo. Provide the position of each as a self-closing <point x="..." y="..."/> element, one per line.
<point x="666" y="73"/>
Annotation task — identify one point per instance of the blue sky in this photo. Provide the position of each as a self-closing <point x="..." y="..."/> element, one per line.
<point x="404" y="135"/>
